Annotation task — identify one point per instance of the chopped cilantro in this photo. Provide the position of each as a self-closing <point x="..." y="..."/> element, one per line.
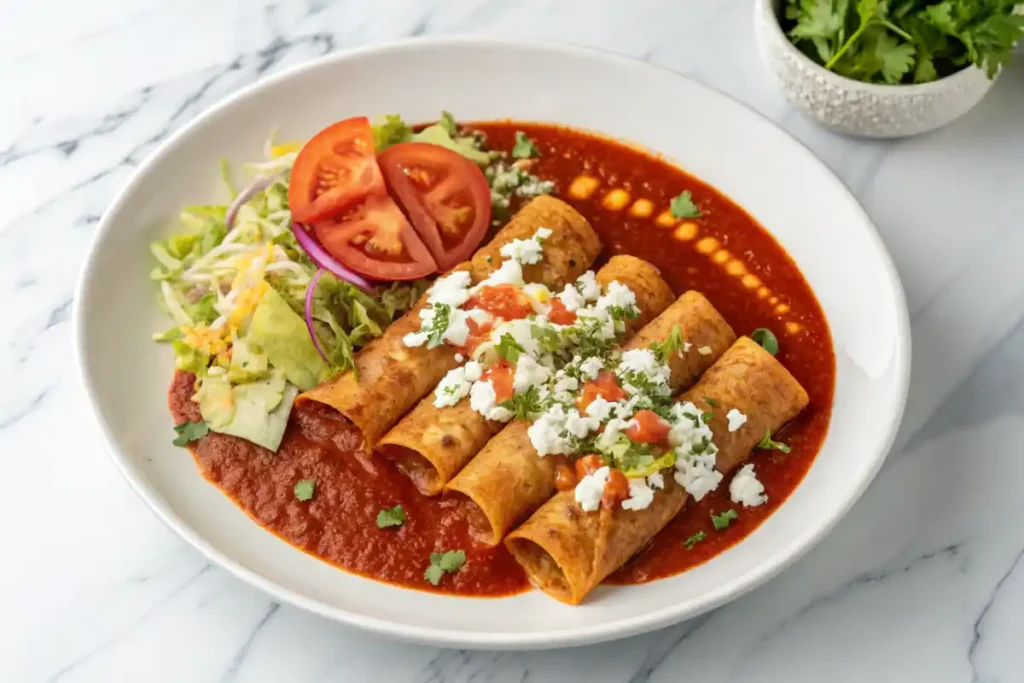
<point x="304" y="489"/>
<point x="443" y="563"/>
<point x="524" y="147"/>
<point x="439" y="325"/>
<point x="683" y="207"/>
<point x="705" y="417"/>
<point x="694" y="540"/>
<point x="766" y="339"/>
<point x="663" y="350"/>
<point x="393" y="517"/>
<point x="508" y="348"/>
<point x="767" y="444"/>
<point x="447" y="122"/>
<point x="710" y="401"/>
<point x="525" y="405"/>
<point x="190" y="431"/>
<point x="722" y="521"/>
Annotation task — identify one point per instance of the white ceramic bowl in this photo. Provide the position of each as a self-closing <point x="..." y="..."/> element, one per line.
<point x="784" y="186"/>
<point x="864" y="109"/>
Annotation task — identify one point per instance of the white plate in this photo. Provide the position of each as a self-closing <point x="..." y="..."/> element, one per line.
<point x="777" y="180"/>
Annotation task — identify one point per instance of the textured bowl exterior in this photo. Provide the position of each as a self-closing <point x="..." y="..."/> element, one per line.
<point x="862" y="109"/>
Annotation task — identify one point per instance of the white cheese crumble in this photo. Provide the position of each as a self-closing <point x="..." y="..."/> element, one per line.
<point x="656" y="481"/>
<point x="526" y="252"/>
<point x="578" y="425"/>
<point x="746" y="489"/>
<point x="697" y="474"/>
<point x="529" y="373"/>
<point x="736" y="419"/>
<point x="601" y="409"/>
<point x="640" y="495"/>
<point x="571" y="298"/>
<point x="588" y="286"/>
<point x="450" y="290"/>
<point x="590" y="489"/>
<point x="704" y="350"/>
<point x="546" y="432"/>
<point x="482" y="400"/>
<point x="617" y="295"/>
<point x="456" y="385"/>
<point x="508" y="273"/>
<point x="591" y="366"/>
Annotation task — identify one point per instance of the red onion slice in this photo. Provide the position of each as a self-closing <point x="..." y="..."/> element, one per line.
<point x="325" y="261"/>
<point x="247" y="193"/>
<point x="309" y="313"/>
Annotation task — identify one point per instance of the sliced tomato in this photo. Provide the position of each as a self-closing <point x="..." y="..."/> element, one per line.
<point x="376" y="240"/>
<point x="334" y="171"/>
<point x="649" y="427"/>
<point x="606" y="385"/>
<point x="616" y="489"/>
<point x="478" y="334"/>
<point x="505" y="301"/>
<point x="445" y="195"/>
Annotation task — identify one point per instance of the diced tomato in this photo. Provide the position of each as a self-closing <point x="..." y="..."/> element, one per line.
<point x="565" y="478"/>
<point x="615" y="490"/>
<point x="478" y="334"/>
<point x="445" y="195"/>
<point x="504" y="301"/>
<point x="588" y="464"/>
<point x="334" y="171"/>
<point x="606" y="385"/>
<point x="649" y="427"/>
<point x="559" y="314"/>
<point x="376" y="240"/>
<point x="502" y="376"/>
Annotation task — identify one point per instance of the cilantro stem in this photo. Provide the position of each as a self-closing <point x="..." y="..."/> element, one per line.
<point x="846" y="46"/>
<point x="897" y="30"/>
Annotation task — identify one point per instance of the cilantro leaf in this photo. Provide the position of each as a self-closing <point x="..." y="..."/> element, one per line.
<point x="304" y="489"/>
<point x="547" y="338"/>
<point x="190" y="431"/>
<point x="439" y="325"/>
<point x="508" y="348"/>
<point x="525" y="405"/>
<point x="766" y="339"/>
<point x="664" y="349"/>
<point x="393" y="517"/>
<point x="722" y="521"/>
<point x="694" y="540"/>
<point x="710" y="401"/>
<point x="442" y="563"/>
<point x="682" y="206"/>
<point x="524" y="147"/>
<point x="767" y="444"/>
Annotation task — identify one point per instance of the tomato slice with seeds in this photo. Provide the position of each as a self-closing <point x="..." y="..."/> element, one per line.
<point x="334" y="171"/>
<point x="445" y="195"/>
<point x="375" y="239"/>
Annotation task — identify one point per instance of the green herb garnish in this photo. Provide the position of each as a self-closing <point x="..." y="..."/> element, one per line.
<point x="767" y="444"/>
<point x="508" y="348"/>
<point x="766" y="339"/>
<point x="525" y="405"/>
<point x="447" y="121"/>
<point x="443" y="563"/>
<point x="722" y="521"/>
<point x="682" y="206"/>
<point x="905" y="41"/>
<point x="190" y="431"/>
<point x="710" y="401"/>
<point x="524" y="147"/>
<point x="304" y="489"/>
<point x="438" y="325"/>
<point x="547" y="338"/>
<point x="393" y="517"/>
<point x="663" y="350"/>
<point x="694" y="540"/>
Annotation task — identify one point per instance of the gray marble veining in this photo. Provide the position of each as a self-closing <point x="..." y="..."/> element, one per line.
<point x="924" y="580"/>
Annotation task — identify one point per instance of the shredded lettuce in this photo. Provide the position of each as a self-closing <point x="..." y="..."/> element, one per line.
<point x="390" y="130"/>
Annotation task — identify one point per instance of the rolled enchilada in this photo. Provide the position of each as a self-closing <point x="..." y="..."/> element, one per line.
<point x="431" y="444"/>
<point x="567" y="552"/>
<point x="507" y="480"/>
<point x="390" y="377"/>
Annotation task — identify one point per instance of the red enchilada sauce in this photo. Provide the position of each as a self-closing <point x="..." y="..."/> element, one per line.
<point x="339" y="524"/>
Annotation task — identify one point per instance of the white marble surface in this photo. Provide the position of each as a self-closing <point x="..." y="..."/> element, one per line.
<point x="923" y="581"/>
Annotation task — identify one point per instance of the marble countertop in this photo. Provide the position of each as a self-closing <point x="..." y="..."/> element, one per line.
<point x="924" y="580"/>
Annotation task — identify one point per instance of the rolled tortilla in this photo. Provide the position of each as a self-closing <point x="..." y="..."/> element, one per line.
<point x="430" y="444"/>
<point x="567" y="552"/>
<point x="507" y="481"/>
<point x="392" y="377"/>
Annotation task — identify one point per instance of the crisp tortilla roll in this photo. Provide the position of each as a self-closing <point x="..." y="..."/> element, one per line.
<point x="567" y="552"/>
<point x="392" y="377"/>
<point x="430" y="444"/>
<point x="507" y="480"/>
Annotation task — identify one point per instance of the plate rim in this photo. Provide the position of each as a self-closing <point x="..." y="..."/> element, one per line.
<point x="795" y="549"/>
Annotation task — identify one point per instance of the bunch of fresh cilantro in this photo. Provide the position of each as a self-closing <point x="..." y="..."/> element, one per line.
<point x="905" y="41"/>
